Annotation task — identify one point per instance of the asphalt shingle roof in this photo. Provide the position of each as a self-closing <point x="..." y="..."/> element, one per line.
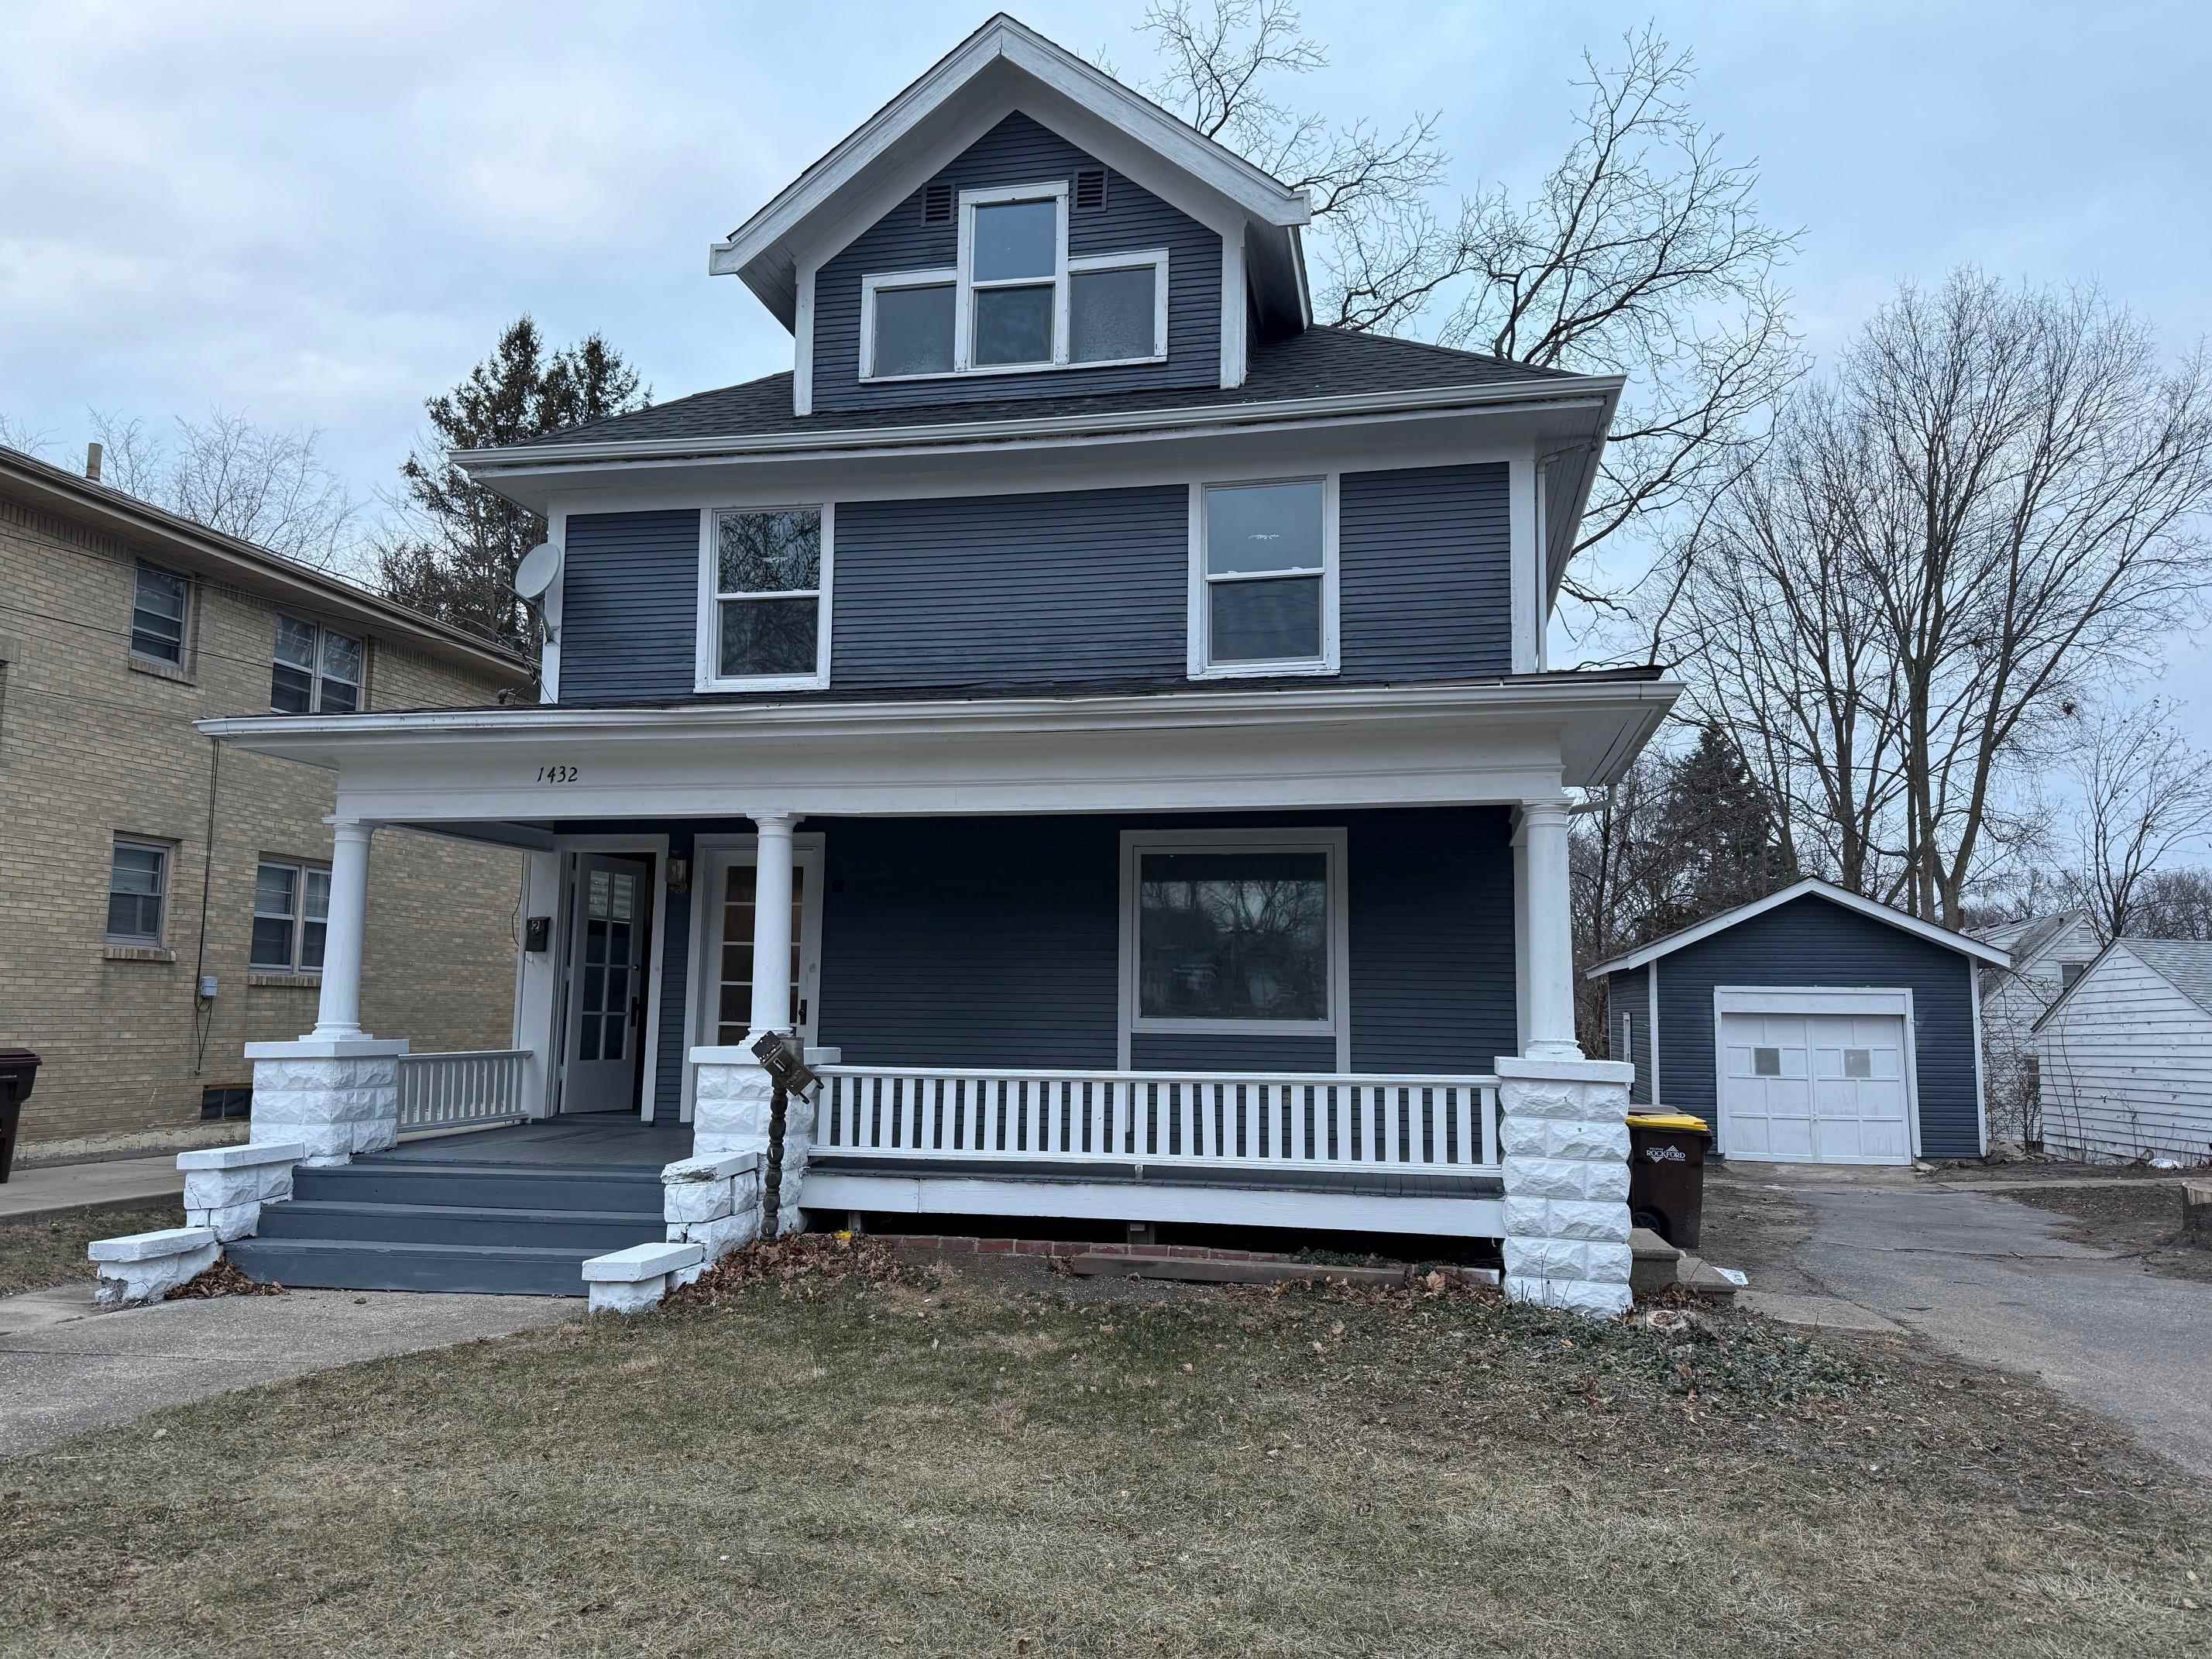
<point x="2185" y="963"/>
<point x="1316" y="363"/>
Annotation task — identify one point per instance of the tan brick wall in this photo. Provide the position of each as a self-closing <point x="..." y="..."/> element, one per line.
<point x="91" y="747"/>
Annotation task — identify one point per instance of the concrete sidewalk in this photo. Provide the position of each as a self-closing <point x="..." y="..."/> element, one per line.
<point x="111" y="1184"/>
<point x="65" y="1369"/>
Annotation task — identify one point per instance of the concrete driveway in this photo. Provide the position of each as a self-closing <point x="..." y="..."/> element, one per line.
<point x="1987" y="1279"/>
<point x="65" y="1369"/>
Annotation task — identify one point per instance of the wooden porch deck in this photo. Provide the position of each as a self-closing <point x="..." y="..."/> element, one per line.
<point x="599" y="1140"/>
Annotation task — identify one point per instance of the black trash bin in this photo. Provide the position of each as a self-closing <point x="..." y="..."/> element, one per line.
<point x="1666" y="1175"/>
<point x="19" y="1070"/>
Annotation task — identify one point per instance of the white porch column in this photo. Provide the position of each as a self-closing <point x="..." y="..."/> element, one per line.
<point x="733" y="1104"/>
<point x="1549" y="913"/>
<point x="337" y="1015"/>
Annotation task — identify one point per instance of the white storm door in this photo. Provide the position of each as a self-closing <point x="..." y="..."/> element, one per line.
<point x="606" y="982"/>
<point x="1858" y="1089"/>
<point x="726" y="979"/>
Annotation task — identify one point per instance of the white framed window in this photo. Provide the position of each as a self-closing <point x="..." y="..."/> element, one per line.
<point x="1263" y="577"/>
<point x="1627" y="1036"/>
<point x="764" y="592"/>
<point x="160" y="601"/>
<point x="137" y="891"/>
<point x="1235" y="932"/>
<point x="1014" y="301"/>
<point x="318" y="671"/>
<point x="291" y="916"/>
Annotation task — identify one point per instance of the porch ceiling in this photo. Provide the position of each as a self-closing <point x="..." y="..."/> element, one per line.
<point x="1457" y="743"/>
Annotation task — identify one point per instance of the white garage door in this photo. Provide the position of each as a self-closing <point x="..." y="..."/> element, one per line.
<point x="1814" y="1088"/>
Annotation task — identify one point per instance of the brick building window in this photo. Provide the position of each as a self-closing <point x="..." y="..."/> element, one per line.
<point x="157" y="615"/>
<point x="316" y="672"/>
<point x="291" y="912"/>
<point x="137" y="890"/>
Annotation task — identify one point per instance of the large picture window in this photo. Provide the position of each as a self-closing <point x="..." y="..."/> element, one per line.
<point x="1016" y="301"/>
<point x="1263" y="578"/>
<point x="1234" y="931"/>
<point x="767" y="590"/>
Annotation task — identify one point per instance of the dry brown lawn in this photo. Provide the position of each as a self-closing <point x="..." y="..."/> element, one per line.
<point x="2135" y="1219"/>
<point x="41" y="1250"/>
<point x="995" y="1465"/>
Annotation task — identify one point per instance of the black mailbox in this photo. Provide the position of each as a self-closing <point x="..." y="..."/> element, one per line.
<point x="780" y="1055"/>
<point x="538" y="933"/>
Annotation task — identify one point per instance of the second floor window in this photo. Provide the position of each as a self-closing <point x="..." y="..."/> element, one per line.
<point x="291" y="912"/>
<point x="770" y="575"/>
<point x="316" y="672"/>
<point x="157" y="615"/>
<point x="1263" y="579"/>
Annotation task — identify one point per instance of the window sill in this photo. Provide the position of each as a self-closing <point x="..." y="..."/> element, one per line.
<point x="1154" y="1025"/>
<point x="769" y="683"/>
<point x="136" y="953"/>
<point x="155" y="668"/>
<point x="1261" y="671"/>
<point x="997" y="371"/>
<point x="283" y="978"/>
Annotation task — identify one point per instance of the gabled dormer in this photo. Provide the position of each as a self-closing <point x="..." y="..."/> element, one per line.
<point x="1019" y="224"/>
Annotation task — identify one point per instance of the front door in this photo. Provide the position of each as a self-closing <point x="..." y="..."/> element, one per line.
<point x="612" y="913"/>
<point x="726" y="981"/>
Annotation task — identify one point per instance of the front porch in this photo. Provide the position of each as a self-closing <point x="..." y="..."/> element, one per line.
<point x="1309" y="977"/>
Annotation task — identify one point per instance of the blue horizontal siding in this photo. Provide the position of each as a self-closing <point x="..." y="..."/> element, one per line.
<point x="1002" y="591"/>
<point x="1425" y="556"/>
<point x="1021" y="151"/>
<point x="1630" y="994"/>
<point x="629" y="605"/>
<point x="1812" y="941"/>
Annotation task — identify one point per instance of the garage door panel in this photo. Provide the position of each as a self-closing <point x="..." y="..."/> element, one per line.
<point x="1813" y="1087"/>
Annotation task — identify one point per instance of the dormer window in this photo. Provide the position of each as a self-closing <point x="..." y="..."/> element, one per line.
<point x="1015" y="302"/>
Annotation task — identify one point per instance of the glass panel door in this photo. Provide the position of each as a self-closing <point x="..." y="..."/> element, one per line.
<point x="610" y="918"/>
<point x="733" y="988"/>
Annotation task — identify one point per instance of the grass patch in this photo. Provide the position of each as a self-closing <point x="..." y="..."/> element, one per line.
<point x="37" y="1251"/>
<point x="2131" y="1218"/>
<point x="976" y="1463"/>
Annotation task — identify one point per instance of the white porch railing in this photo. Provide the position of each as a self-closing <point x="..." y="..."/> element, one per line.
<point x="453" y="1090"/>
<point x="1282" y="1123"/>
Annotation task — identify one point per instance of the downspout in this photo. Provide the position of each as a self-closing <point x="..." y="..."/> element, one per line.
<point x="204" y="1007"/>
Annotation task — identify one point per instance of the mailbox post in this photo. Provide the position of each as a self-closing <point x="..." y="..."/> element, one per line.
<point x="779" y="1056"/>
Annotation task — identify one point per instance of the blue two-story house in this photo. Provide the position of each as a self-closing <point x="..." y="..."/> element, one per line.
<point x="1102" y="714"/>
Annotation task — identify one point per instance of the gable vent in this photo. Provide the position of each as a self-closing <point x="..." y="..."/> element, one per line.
<point x="1090" y="189"/>
<point x="937" y="205"/>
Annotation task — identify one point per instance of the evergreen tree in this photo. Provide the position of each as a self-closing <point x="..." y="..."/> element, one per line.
<point x="455" y="556"/>
<point x="1724" y="836"/>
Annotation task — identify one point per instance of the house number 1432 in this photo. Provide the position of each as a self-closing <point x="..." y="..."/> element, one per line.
<point x="558" y="774"/>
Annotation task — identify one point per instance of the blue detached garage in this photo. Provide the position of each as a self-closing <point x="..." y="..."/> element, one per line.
<point x="1812" y="1026"/>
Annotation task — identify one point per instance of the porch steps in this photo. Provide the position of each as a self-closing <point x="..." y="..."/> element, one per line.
<point x="391" y="1223"/>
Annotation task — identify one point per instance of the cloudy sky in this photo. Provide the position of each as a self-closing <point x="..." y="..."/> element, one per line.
<point x="319" y="215"/>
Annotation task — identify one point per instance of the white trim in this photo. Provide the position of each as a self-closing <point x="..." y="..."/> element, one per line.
<point x="1827" y="999"/>
<point x="1522" y="492"/>
<point x="1580" y="392"/>
<point x="944" y="276"/>
<point x="708" y="623"/>
<point x="549" y="648"/>
<point x="1157" y="259"/>
<point x="807" y="846"/>
<point x="1209" y="163"/>
<point x="1226" y="1204"/>
<point x="1652" y="989"/>
<point x="565" y="918"/>
<point x="1811" y="884"/>
<point x="802" y="342"/>
<point x="1236" y="349"/>
<point x="1333" y="842"/>
<point x="1199" y="645"/>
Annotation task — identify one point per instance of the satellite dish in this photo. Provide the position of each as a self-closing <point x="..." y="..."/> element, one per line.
<point x="536" y="573"/>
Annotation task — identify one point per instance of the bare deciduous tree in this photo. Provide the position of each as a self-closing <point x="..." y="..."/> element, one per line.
<point x="2146" y="794"/>
<point x="1997" y="502"/>
<point x="262" y="485"/>
<point x="2174" y="904"/>
<point x="1642" y="253"/>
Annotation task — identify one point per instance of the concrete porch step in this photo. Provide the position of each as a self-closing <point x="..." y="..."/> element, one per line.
<point x="355" y="1264"/>
<point x="483" y="1186"/>
<point x="334" y="1220"/>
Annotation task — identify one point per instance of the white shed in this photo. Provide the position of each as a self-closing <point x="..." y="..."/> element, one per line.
<point x="2125" y="1055"/>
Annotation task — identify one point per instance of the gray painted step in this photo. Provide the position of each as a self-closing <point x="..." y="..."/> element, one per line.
<point x="496" y="1186"/>
<point x="354" y="1264"/>
<point x="334" y="1220"/>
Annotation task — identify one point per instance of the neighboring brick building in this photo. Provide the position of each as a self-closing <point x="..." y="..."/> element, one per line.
<point x="120" y="625"/>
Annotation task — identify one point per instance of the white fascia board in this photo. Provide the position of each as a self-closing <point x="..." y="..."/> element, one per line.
<point x="1558" y="557"/>
<point x="1257" y="192"/>
<point x="1587" y="392"/>
<point x="1811" y="884"/>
